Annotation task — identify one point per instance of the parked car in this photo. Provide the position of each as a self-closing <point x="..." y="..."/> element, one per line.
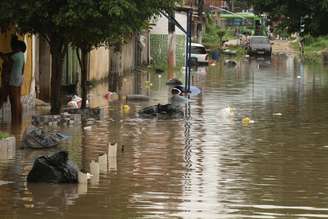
<point x="198" y="54"/>
<point x="259" y="45"/>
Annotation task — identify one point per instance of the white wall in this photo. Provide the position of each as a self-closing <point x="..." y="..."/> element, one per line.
<point x="161" y="26"/>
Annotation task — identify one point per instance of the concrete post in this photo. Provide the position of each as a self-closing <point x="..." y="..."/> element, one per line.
<point x="171" y="54"/>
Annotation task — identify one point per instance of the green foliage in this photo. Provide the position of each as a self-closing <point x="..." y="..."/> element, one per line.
<point x="108" y="22"/>
<point x="213" y="35"/>
<point x="3" y="135"/>
<point x="289" y="13"/>
<point x="158" y="50"/>
<point x="314" y="47"/>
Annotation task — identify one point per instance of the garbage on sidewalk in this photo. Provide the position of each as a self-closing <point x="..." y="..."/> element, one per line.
<point x="37" y="138"/>
<point x="55" y="120"/>
<point x="53" y="169"/>
<point x="75" y="102"/>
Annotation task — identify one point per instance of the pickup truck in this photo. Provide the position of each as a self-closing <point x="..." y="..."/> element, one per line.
<point x="259" y="45"/>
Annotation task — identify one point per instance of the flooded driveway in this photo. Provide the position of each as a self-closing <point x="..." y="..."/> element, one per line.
<point x="253" y="145"/>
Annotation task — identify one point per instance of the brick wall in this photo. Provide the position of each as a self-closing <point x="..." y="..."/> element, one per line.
<point x="216" y="3"/>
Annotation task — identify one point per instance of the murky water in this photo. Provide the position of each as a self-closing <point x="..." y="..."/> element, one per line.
<point x="211" y="165"/>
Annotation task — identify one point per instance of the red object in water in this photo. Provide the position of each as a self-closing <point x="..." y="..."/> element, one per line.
<point x="108" y="95"/>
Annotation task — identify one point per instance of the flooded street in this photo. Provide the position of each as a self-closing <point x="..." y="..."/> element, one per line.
<point x="213" y="164"/>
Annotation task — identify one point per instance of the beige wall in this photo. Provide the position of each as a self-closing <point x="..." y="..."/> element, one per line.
<point x="128" y="51"/>
<point x="99" y="63"/>
<point x="44" y="71"/>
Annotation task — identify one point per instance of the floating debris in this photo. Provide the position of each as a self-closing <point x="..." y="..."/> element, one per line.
<point x="87" y="128"/>
<point x="246" y="121"/>
<point x="112" y="150"/>
<point x="102" y="160"/>
<point x="277" y="114"/>
<point x="94" y="171"/>
<point x="82" y="178"/>
<point x="2" y="182"/>
<point x="126" y="108"/>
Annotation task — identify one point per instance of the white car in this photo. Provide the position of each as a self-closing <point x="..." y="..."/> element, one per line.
<point x="198" y="54"/>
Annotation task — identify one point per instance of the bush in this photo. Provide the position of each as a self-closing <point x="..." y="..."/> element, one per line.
<point x="3" y="135"/>
<point x="213" y="33"/>
<point x="314" y="46"/>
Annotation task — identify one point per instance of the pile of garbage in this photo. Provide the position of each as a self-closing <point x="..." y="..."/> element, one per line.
<point x="96" y="113"/>
<point x="37" y="138"/>
<point x="161" y="112"/>
<point x="75" y="102"/>
<point x="53" y="169"/>
<point x="56" y="120"/>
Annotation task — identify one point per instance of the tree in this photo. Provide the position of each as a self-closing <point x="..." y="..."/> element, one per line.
<point x="213" y="35"/>
<point x="45" y="18"/>
<point x="114" y="24"/>
<point x="60" y="21"/>
<point x="289" y="13"/>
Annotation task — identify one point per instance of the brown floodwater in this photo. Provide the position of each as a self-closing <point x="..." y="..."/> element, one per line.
<point x="253" y="145"/>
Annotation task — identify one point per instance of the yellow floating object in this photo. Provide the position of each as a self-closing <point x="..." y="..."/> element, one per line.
<point x="126" y="108"/>
<point x="246" y="121"/>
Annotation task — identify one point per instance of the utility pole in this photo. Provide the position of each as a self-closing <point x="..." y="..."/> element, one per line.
<point x="302" y="29"/>
<point x="232" y="5"/>
<point x="201" y="21"/>
<point x="171" y="55"/>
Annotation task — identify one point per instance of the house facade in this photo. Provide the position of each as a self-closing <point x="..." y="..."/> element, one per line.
<point x="27" y="91"/>
<point x="103" y="62"/>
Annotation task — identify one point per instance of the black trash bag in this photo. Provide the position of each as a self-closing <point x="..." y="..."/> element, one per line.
<point x="162" y="111"/>
<point x="54" y="169"/>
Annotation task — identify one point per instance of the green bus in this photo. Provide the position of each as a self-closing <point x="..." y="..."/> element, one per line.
<point x="244" y="22"/>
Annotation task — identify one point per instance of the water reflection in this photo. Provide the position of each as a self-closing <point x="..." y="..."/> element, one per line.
<point x="206" y="166"/>
<point x="51" y="197"/>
